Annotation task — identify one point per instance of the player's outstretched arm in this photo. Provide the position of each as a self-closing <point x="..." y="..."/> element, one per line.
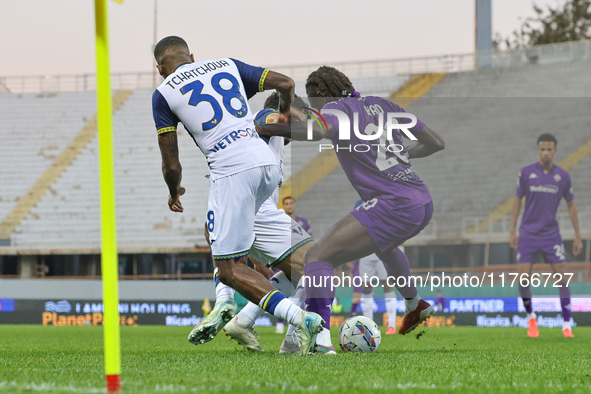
<point x="171" y="169"/>
<point x="295" y="130"/>
<point x="574" y="217"/>
<point x="514" y="215"/>
<point x="428" y="143"/>
<point x="285" y="87"/>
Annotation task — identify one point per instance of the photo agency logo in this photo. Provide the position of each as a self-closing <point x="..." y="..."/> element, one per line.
<point x="380" y="134"/>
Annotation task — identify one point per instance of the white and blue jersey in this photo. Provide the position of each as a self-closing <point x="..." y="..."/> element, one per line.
<point x="277" y="145"/>
<point x="277" y="234"/>
<point x="210" y="98"/>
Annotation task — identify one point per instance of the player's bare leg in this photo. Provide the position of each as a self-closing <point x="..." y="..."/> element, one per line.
<point x="525" y="270"/>
<point x="417" y="310"/>
<point x="262" y="268"/>
<point x="241" y="328"/>
<point x="565" y="297"/>
<point x="348" y="240"/>
<point x="345" y="241"/>
<point x="257" y="289"/>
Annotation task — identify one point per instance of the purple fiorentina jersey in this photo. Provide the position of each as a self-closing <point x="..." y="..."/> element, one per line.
<point x="543" y="193"/>
<point x="303" y="222"/>
<point x="372" y="170"/>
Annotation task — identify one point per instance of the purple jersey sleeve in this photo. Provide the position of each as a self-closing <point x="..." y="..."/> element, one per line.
<point x="253" y="78"/>
<point x="521" y="187"/>
<point x="568" y="189"/>
<point x="164" y="118"/>
<point x="416" y="128"/>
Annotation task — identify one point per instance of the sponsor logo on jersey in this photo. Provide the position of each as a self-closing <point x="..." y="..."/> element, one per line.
<point x="553" y="189"/>
<point x="532" y="176"/>
<point x="232" y="136"/>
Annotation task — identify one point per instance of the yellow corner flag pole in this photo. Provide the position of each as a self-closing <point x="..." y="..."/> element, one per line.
<point x="109" y="261"/>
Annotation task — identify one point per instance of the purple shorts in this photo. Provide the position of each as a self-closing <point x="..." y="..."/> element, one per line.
<point x="388" y="225"/>
<point x="551" y="249"/>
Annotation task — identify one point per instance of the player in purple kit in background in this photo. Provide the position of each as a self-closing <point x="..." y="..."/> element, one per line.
<point x="397" y="205"/>
<point x="543" y="184"/>
<point x="289" y="206"/>
<point x="440" y="301"/>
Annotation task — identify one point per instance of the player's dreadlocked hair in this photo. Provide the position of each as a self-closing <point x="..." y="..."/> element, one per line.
<point x="167" y="43"/>
<point x="330" y="82"/>
<point x="273" y="102"/>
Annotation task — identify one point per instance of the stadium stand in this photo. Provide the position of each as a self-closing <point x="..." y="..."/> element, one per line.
<point x="480" y="114"/>
<point x="67" y="216"/>
<point x="35" y="130"/>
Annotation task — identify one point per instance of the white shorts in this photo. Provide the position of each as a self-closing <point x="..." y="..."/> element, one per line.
<point x="233" y="203"/>
<point x="277" y="235"/>
<point x="372" y="266"/>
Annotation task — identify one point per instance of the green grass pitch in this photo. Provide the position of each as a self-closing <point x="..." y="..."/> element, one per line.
<point x="160" y="359"/>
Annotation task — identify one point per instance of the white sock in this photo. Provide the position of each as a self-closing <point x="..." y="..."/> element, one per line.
<point x="289" y="312"/>
<point x="249" y="314"/>
<point x="299" y="295"/>
<point x="566" y="325"/>
<point x="366" y="302"/>
<point x="290" y="330"/>
<point x="299" y="299"/>
<point x="531" y="315"/>
<point x="411" y="305"/>
<point x="281" y="283"/>
<point x="286" y="310"/>
<point x="323" y="339"/>
<point x="222" y="292"/>
<point x="390" y="298"/>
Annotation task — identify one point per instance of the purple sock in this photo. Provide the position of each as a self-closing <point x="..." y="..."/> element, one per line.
<point x="354" y="307"/>
<point x="397" y="265"/>
<point x="525" y="293"/>
<point x="319" y="297"/>
<point x="564" y="292"/>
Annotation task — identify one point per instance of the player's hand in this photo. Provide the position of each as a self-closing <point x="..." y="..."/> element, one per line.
<point x="513" y="240"/>
<point x="174" y="203"/>
<point x="298" y="115"/>
<point x="577" y="246"/>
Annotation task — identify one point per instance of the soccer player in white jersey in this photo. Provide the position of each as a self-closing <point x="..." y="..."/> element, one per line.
<point x="210" y="99"/>
<point x="280" y="243"/>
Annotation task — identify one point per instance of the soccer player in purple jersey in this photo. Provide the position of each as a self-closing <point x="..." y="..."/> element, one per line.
<point x="397" y="205"/>
<point x="543" y="184"/>
<point x="289" y="206"/>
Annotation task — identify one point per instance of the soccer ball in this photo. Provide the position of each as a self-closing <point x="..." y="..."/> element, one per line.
<point x="359" y="334"/>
